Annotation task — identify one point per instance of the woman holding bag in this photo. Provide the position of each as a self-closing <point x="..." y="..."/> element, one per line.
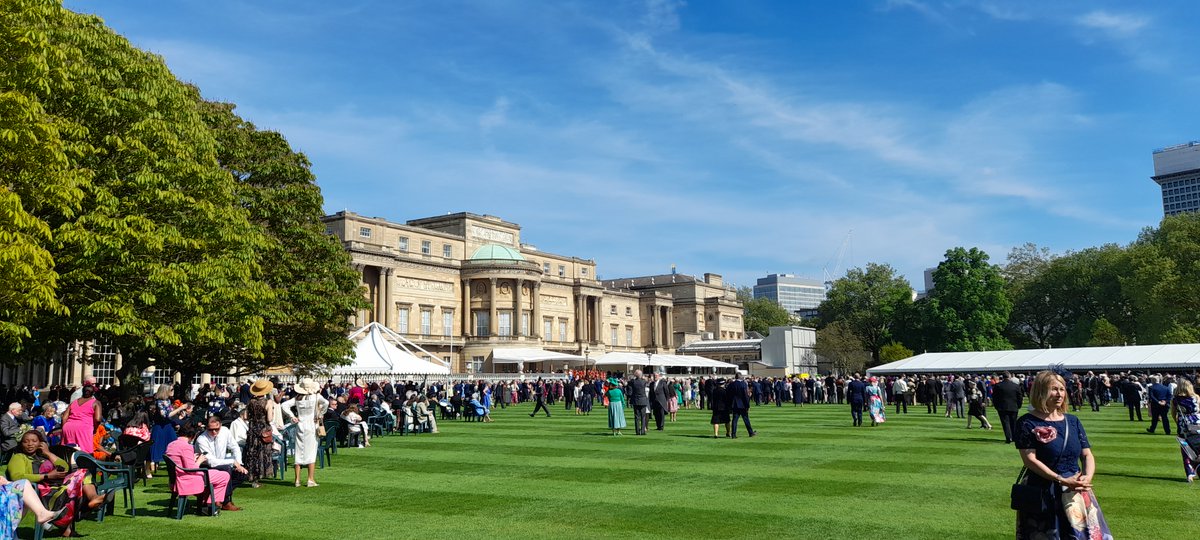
<point x="305" y="410"/>
<point x="1059" y="467"/>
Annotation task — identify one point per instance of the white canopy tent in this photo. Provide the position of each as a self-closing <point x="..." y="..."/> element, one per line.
<point x="1185" y="357"/>
<point x="525" y="356"/>
<point x="381" y="352"/>
<point x="627" y="359"/>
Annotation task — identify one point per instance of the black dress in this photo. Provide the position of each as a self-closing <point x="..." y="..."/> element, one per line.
<point x="720" y="405"/>
<point x="257" y="455"/>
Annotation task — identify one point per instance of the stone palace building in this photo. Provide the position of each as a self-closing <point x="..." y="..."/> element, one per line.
<point x="462" y="285"/>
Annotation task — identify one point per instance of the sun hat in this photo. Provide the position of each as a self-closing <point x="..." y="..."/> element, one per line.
<point x="261" y="387"/>
<point x="359" y="382"/>
<point x="307" y="386"/>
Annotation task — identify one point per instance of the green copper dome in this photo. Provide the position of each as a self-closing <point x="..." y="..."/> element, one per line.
<point x="496" y="252"/>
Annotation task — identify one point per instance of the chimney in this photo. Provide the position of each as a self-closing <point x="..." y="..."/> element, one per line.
<point x="713" y="279"/>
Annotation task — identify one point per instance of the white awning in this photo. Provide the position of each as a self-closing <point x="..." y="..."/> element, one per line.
<point x="519" y="355"/>
<point x="1184" y="357"/>
<point x="660" y="360"/>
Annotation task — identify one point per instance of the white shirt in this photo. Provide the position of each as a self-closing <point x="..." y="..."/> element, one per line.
<point x="219" y="448"/>
<point x="239" y="428"/>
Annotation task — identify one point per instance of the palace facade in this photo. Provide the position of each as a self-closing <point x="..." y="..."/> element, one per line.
<point x="463" y="285"/>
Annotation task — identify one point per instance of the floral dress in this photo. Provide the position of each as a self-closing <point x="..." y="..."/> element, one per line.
<point x="1059" y="445"/>
<point x="1187" y="422"/>
<point x="257" y="456"/>
<point x="11" y="506"/>
<point x="875" y="404"/>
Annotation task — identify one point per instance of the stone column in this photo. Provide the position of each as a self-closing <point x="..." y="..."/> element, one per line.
<point x="670" y="326"/>
<point x="493" y="324"/>
<point x="466" y="309"/>
<point x="535" y="317"/>
<point x="599" y="327"/>
<point x="385" y="296"/>
<point x="517" y="307"/>
<point x="653" y="325"/>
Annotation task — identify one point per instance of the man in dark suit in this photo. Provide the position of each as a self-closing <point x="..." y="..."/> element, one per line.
<point x="10" y="425"/>
<point x="1006" y="398"/>
<point x="658" y="400"/>
<point x="738" y="395"/>
<point x="539" y="396"/>
<point x="639" y="400"/>
<point x="1131" y="392"/>
<point x="1160" y="403"/>
<point x="958" y="396"/>
<point x="856" y="395"/>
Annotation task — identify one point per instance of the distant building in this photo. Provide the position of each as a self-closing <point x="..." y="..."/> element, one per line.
<point x="1177" y="171"/>
<point x="800" y="296"/>
<point x="787" y="350"/>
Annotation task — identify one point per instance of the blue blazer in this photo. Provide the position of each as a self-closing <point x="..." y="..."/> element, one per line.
<point x="736" y="392"/>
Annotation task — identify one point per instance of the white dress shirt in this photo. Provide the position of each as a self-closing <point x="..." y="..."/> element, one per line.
<point x="221" y="450"/>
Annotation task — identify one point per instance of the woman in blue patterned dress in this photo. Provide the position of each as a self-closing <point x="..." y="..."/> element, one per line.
<point x="1059" y="463"/>
<point x="163" y="432"/>
<point x="1187" y="422"/>
<point x="16" y="498"/>
<point x="875" y="402"/>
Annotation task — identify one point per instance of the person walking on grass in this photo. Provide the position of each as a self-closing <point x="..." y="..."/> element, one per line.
<point x="1184" y="405"/>
<point x="539" y="397"/>
<point x="875" y="402"/>
<point x="720" y="408"/>
<point x="738" y="397"/>
<point x="856" y="395"/>
<point x="1006" y="397"/>
<point x="616" y="406"/>
<point x="639" y="399"/>
<point x="975" y="407"/>
<point x="900" y="394"/>
<point x="1160" y="403"/>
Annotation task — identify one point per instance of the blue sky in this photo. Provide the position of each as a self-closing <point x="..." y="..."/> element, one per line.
<point x="738" y="137"/>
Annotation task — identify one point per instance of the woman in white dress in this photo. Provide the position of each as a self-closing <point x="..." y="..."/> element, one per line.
<point x="305" y="410"/>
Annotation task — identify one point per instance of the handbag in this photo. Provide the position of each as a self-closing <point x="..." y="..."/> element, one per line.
<point x="1032" y="499"/>
<point x="266" y="437"/>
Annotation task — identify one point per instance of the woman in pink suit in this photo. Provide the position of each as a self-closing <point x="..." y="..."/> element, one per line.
<point x="79" y="427"/>
<point x="184" y="455"/>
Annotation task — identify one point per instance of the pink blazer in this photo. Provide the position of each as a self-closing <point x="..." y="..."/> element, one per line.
<point x="184" y="455"/>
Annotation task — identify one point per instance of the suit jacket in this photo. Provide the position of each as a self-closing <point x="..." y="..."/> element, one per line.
<point x="637" y="393"/>
<point x="1006" y="396"/>
<point x="958" y="390"/>
<point x="658" y="393"/>
<point x="856" y="391"/>
<point x="9" y="427"/>
<point x="738" y="395"/>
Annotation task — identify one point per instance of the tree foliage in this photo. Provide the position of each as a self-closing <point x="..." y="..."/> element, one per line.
<point x="763" y="313"/>
<point x="894" y="351"/>
<point x="967" y="310"/>
<point x="870" y="301"/>
<point x="838" y="344"/>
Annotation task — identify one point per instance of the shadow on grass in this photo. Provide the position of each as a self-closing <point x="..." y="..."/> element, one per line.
<point x="1145" y="477"/>
<point x="972" y="439"/>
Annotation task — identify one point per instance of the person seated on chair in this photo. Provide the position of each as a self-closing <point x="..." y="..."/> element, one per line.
<point x="482" y="412"/>
<point x="216" y="443"/>
<point x="138" y="426"/>
<point x="184" y="455"/>
<point x="357" y="431"/>
<point x="424" y="414"/>
<point x="56" y="483"/>
<point x="240" y="428"/>
<point x="48" y="424"/>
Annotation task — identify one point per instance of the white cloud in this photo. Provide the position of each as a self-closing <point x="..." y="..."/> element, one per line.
<point x="1116" y="24"/>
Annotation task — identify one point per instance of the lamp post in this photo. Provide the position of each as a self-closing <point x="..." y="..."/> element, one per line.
<point x="649" y="360"/>
<point x="587" y="360"/>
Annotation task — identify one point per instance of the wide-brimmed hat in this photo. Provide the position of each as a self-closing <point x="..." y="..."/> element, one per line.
<point x="359" y="382"/>
<point x="307" y="386"/>
<point x="261" y="387"/>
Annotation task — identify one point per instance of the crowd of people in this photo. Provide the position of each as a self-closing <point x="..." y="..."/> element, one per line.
<point x="236" y="431"/>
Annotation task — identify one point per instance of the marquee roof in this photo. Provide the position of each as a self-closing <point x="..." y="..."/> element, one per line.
<point x="1128" y="358"/>
<point x="383" y="352"/>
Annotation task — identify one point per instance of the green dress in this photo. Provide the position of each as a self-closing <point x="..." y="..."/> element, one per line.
<point x="616" y="408"/>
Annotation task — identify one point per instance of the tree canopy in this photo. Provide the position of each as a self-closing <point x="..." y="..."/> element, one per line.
<point x="870" y="301"/>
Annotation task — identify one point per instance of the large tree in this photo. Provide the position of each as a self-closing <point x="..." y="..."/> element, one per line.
<point x="870" y="301"/>
<point x="315" y="289"/>
<point x="158" y="254"/>
<point x="1163" y="281"/>
<point x="838" y="345"/>
<point x="967" y="310"/>
<point x="763" y="313"/>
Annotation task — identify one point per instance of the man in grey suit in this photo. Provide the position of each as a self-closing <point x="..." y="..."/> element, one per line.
<point x="658" y="400"/>
<point x="958" y="396"/>
<point x="639" y="400"/>
<point x="10" y="425"/>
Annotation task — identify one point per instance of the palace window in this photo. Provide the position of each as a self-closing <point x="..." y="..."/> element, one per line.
<point x="447" y="251"/>
<point x="482" y="326"/>
<point x="547" y="329"/>
<point x="447" y="323"/>
<point x="426" y="247"/>
<point x="583" y="271"/>
<point x="364" y="232"/>
<point x="545" y="268"/>
<point x="612" y="310"/>
<point x="628" y="311"/>
<point x="426" y="324"/>
<point x="562" y="329"/>
<point x="612" y="337"/>
<point x="402" y="320"/>
<point x="628" y="336"/>
<point x="524" y="323"/>
<point x="505" y="323"/>
<point x="562" y="271"/>
<point x="404" y="244"/>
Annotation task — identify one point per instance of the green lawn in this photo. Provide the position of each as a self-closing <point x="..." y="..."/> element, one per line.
<point x="807" y="474"/>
